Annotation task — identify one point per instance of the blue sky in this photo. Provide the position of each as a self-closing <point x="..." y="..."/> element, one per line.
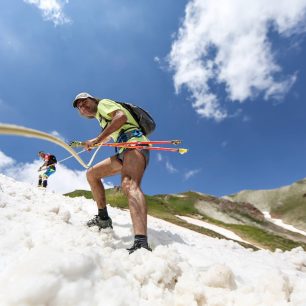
<point x="226" y="77"/>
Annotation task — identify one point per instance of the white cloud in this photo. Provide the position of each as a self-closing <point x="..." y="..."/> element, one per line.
<point x="5" y="161"/>
<point x="156" y="59"/>
<point x="170" y="167"/>
<point x="226" y="42"/>
<point x="58" y="135"/>
<point x="51" y="10"/>
<point x="62" y="181"/>
<point x="191" y="173"/>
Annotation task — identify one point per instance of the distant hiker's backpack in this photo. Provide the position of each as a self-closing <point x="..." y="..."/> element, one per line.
<point x="52" y="160"/>
<point x="143" y="118"/>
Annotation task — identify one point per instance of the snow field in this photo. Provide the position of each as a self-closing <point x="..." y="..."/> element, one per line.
<point x="49" y="257"/>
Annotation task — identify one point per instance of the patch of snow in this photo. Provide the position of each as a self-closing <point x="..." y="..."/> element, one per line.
<point x="218" y="229"/>
<point x="179" y="195"/>
<point x="280" y="223"/>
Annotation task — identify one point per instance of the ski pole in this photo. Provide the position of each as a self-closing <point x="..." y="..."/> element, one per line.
<point x="150" y="148"/>
<point x="114" y="144"/>
<point x="152" y="142"/>
<point x="134" y="145"/>
<point x="91" y="160"/>
<point x="179" y="150"/>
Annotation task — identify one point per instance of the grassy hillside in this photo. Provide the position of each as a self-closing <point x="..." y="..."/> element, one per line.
<point x="287" y="203"/>
<point x="250" y="223"/>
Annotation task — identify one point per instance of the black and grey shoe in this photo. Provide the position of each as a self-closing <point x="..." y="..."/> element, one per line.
<point x="97" y="221"/>
<point x="138" y="245"/>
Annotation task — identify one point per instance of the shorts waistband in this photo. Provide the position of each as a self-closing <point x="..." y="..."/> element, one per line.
<point x="124" y="136"/>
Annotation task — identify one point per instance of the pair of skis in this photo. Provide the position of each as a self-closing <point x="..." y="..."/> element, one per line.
<point x="141" y="145"/>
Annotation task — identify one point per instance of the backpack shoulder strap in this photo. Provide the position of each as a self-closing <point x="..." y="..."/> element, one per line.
<point x="127" y="107"/>
<point x="132" y="126"/>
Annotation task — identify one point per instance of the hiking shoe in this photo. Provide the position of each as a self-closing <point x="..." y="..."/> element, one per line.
<point x="97" y="221"/>
<point x="137" y="245"/>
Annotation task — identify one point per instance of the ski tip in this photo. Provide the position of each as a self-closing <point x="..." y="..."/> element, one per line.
<point x="182" y="151"/>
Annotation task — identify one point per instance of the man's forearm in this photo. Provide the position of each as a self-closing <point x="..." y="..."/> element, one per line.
<point x="117" y="122"/>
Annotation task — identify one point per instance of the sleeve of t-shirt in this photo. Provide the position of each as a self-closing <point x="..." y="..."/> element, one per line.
<point x="106" y="107"/>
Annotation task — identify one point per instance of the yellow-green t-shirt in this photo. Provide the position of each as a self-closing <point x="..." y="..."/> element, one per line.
<point x="106" y="107"/>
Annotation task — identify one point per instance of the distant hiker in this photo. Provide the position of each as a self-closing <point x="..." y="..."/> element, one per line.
<point x="47" y="169"/>
<point x="119" y="124"/>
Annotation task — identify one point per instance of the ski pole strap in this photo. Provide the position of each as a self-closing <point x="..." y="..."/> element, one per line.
<point x="60" y="161"/>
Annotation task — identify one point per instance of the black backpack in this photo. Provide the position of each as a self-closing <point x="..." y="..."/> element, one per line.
<point x="143" y="118"/>
<point x="52" y="160"/>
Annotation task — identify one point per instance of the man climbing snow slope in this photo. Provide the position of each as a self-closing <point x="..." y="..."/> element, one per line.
<point x="119" y="124"/>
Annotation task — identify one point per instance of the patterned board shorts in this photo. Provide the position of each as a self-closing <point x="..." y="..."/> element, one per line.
<point x="125" y="137"/>
<point x="145" y="153"/>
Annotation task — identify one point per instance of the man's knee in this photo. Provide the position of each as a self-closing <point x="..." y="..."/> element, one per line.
<point x="97" y="173"/>
<point x="90" y="175"/>
<point x="129" y="186"/>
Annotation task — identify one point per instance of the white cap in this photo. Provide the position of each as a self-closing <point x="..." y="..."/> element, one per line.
<point x="82" y="95"/>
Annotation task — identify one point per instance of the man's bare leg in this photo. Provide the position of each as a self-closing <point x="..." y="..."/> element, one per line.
<point x="107" y="167"/>
<point x="132" y="173"/>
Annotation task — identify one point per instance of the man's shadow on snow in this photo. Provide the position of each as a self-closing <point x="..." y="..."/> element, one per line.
<point x="156" y="237"/>
<point x="164" y="237"/>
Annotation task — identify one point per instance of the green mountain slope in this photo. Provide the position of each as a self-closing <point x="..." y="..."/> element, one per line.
<point x="241" y="218"/>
